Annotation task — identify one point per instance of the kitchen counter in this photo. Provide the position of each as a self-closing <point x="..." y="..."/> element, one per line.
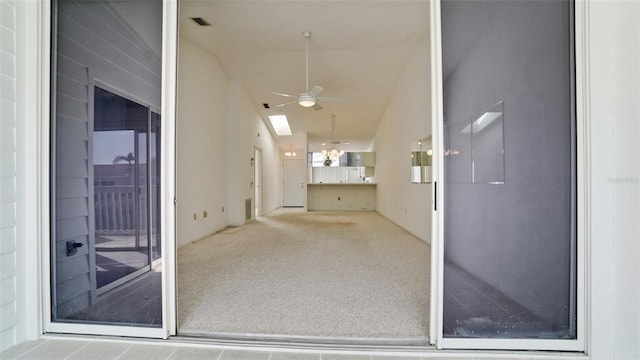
<point x="356" y="196"/>
<point x="343" y="184"/>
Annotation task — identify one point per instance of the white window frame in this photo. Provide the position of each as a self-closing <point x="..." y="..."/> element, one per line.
<point x="167" y="215"/>
<point x="93" y="84"/>
<point x="437" y="246"/>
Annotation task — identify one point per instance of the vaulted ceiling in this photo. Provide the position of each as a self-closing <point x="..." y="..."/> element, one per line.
<point x="358" y="50"/>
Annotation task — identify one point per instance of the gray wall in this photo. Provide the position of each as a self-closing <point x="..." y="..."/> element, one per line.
<point x="94" y="43"/>
<point x="516" y="236"/>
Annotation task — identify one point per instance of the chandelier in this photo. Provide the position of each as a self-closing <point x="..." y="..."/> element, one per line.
<point x="332" y="154"/>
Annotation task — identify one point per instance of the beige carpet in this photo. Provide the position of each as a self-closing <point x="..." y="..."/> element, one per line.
<point x="324" y="274"/>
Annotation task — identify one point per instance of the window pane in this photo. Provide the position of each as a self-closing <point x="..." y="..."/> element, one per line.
<point x="509" y="190"/>
<point x="107" y="76"/>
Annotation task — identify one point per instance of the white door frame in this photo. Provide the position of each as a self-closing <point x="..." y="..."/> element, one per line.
<point x="437" y="246"/>
<point x="167" y="216"/>
<point x="168" y="175"/>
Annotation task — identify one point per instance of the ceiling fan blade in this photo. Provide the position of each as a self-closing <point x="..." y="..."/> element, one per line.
<point x="315" y="90"/>
<point x="331" y="98"/>
<point x="285" y="95"/>
<point x="317" y="107"/>
<point x="287" y="103"/>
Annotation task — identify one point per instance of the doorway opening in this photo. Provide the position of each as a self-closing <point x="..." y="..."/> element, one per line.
<point x="330" y="274"/>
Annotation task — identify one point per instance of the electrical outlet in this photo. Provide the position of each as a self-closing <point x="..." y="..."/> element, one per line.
<point x="223" y="209"/>
<point x="338" y="198"/>
<point x="204" y="214"/>
<point x="195" y="216"/>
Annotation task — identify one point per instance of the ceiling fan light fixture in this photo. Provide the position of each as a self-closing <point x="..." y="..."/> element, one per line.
<point x="306" y="100"/>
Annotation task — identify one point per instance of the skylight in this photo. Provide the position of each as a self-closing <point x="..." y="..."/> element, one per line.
<point x="280" y="125"/>
<point x="482" y="122"/>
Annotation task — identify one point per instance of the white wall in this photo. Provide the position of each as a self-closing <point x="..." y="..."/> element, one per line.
<point x="201" y="144"/>
<point x="271" y="168"/>
<point x="247" y="130"/>
<point x="217" y="129"/>
<point x="20" y="315"/>
<point x="405" y="120"/>
<point x="8" y="177"/>
<point x="239" y="153"/>
<point x="613" y="113"/>
<point x="625" y="179"/>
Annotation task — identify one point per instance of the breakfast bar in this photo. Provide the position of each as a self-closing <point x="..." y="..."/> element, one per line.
<point x="356" y="196"/>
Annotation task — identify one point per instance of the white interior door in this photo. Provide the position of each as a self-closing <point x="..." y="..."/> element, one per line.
<point x="294" y="183"/>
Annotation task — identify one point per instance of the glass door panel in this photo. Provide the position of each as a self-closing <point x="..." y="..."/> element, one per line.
<point x="509" y="171"/>
<point x="105" y="194"/>
<point x="154" y="181"/>
<point x="120" y="188"/>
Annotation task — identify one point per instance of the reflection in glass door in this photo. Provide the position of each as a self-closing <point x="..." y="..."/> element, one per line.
<point x="509" y="172"/>
<point x="121" y="191"/>
<point x="106" y="189"/>
<point x="154" y="183"/>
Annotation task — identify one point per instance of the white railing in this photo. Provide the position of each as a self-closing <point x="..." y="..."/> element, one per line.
<point x="116" y="208"/>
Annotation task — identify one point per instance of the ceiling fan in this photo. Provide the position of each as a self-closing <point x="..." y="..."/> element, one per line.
<point x="309" y="98"/>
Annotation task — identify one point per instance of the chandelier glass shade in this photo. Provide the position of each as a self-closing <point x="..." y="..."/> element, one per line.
<point x="332" y="154"/>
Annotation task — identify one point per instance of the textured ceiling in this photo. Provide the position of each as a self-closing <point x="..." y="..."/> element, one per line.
<point x="357" y="50"/>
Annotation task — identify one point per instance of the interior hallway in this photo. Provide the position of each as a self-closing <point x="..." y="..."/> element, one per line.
<point x="315" y="274"/>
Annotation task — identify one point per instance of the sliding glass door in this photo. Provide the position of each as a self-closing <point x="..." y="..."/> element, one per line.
<point x="121" y="188"/>
<point x="106" y="169"/>
<point x="508" y="175"/>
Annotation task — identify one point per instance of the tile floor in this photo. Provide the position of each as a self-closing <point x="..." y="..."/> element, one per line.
<point x="60" y="348"/>
<point x="139" y="302"/>
<point x="472" y="307"/>
<point x="75" y="349"/>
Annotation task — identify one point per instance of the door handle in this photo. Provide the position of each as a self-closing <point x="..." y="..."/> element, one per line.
<point x="72" y="247"/>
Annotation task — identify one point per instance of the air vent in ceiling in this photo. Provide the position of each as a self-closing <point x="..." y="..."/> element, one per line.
<point x="200" y="21"/>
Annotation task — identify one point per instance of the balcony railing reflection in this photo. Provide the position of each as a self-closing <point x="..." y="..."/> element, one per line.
<point x="118" y="209"/>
